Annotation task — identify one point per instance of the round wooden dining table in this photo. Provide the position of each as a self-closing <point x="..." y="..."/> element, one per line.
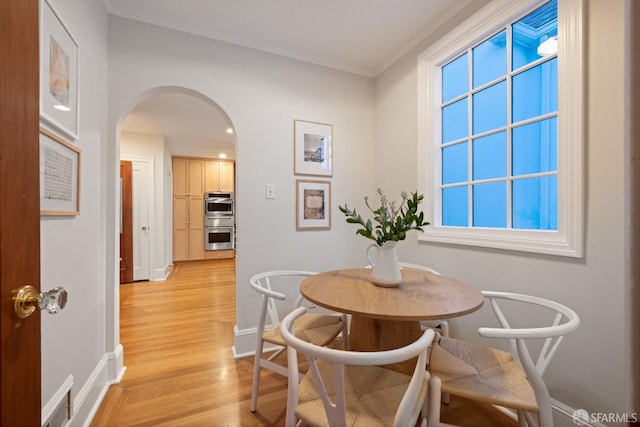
<point x="386" y="318"/>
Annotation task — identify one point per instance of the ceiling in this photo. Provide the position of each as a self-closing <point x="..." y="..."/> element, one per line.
<point x="359" y="36"/>
<point x="191" y="127"/>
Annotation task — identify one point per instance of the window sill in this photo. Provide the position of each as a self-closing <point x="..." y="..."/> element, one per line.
<point x="542" y="242"/>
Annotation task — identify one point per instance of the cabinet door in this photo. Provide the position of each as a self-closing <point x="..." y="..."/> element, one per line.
<point x="196" y="178"/>
<point x="196" y="244"/>
<point x="180" y="176"/>
<point x="211" y="173"/>
<point x="180" y="228"/>
<point x="196" y="228"/>
<point x="196" y="212"/>
<point x="226" y="176"/>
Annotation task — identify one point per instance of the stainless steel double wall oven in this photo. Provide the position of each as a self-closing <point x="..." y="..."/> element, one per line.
<point x="219" y="221"/>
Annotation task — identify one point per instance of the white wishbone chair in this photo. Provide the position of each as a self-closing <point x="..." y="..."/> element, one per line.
<point x="321" y="329"/>
<point x="505" y="379"/>
<point x="347" y="388"/>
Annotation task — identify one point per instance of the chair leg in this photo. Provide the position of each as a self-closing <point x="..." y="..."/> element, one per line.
<point x="345" y="332"/>
<point x="425" y="404"/>
<point x="256" y="378"/>
<point x="434" y="395"/>
<point x="444" y="328"/>
<point x="545" y="416"/>
<point x="292" y="388"/>
<point x="522" y="422"/>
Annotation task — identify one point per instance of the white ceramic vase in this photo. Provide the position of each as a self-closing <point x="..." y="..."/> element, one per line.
<point x="386" y="270"/>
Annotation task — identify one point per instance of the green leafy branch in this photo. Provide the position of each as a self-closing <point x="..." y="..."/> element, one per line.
<point x="393" y="220"/>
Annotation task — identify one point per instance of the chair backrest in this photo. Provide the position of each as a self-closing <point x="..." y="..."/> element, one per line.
<point x="336" y="410"/>
<point x="262" y="283"/>
<point x="415" y="267"/>
<point x="419" y="267"/>
<point x="565" y="321"/>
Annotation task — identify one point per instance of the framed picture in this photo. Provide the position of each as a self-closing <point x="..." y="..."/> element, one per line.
<point x="59" y="175"/>
<point x="312" y="148"/>
<point x="58" y="73"/>
<point x="313" y="205"/>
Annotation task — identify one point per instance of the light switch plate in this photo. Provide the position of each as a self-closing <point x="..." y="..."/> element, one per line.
<point x="271" y="191"/>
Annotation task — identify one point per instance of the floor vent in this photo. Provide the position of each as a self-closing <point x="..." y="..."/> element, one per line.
<point x="62" y="413"/>
<point x="57" y="412"/>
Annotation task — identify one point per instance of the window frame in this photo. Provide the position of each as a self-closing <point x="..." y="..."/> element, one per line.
<point x="567" y="240"/>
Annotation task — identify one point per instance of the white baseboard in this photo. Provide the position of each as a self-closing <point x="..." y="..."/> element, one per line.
<point x="115" y="365"/>
<point x="160" y="274"/>
<point x="88" y="398"/>
<point x="85" y="421"/>
<point x="86" y="403"/>
<point x="245" y="342"/>
<point x="563" y="415"/>
<point x="566" y="415"/>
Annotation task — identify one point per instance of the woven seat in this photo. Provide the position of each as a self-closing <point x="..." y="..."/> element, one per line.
<point x="320" y="329"/>
<point x="506" y="379"/>
<point x="477" y="372"/>
<point x="345" y="388"/>
<point x="373" y="395"/>
<point x="316" y="328"/>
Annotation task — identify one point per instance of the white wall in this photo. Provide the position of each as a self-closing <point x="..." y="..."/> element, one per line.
<point x="262" y="95"/>
<point x="592" y="368"/>
<point x="167" y="208"/>
<point x="73" y="248"/>
<point x="135" y="147"/>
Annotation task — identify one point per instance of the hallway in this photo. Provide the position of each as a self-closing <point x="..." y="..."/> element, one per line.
<point x="177" y="337"/>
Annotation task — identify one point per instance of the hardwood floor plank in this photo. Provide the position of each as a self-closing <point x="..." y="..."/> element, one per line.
<point x="177" y="337"/>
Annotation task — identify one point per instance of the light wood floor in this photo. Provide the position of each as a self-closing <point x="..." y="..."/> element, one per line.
<point x="177" y="337"/>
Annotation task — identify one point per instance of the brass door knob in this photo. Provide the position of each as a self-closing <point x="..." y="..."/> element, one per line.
<point x="27" y="299"/>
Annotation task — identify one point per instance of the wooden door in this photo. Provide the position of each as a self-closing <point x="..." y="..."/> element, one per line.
<point x="180" y="176"/>
<point x="180" y="228"/>
<point x="196" y="228"/>
<point x="20" y="376"/>
<point x="227" y="176"/>
<point x="634" y="155"/>
<point x="211" y="174"/>
<point x="126" y="231"/>
<point x="196" y="178"/>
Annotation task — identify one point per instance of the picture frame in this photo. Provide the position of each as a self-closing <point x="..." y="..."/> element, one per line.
<point x="313" y="205"/>
<point x="58" y="73"/>
<point x="59" y="175"/>
<point x="313" y="148"/>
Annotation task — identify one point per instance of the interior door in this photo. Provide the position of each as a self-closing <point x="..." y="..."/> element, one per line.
<point x="126" y="223"/>
<point x="19" y="211"/>
<point x="634" y="111"/>
<point x="140" y="184"/>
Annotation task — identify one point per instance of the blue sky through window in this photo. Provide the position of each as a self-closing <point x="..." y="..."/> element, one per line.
<point x="503" y="171"/>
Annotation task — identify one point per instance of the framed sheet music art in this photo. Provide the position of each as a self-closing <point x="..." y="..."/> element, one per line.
<point x="59" y="175"/>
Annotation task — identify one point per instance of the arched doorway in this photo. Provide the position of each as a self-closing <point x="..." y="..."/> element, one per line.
<point x="114" y="359"/>
<point x="168" y="123"/>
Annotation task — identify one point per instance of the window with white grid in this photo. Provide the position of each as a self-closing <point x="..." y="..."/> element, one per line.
<point x="501" y="135"/>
